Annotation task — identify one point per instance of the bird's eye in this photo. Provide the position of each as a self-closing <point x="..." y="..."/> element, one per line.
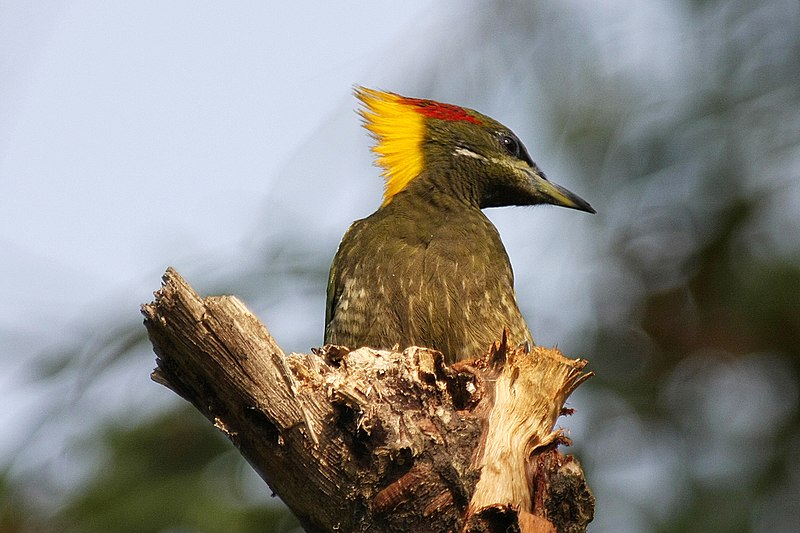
<point x="511" y="145"/>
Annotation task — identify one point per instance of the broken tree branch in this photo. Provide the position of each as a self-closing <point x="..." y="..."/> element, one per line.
<point x="374" y="440"/>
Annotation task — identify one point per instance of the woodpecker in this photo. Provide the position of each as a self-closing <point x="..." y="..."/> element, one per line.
<point x="428" y="267"/>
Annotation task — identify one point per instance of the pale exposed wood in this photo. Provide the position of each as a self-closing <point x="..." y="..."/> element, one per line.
<point x="530" y="391"/>
<point x="368" y="440"/>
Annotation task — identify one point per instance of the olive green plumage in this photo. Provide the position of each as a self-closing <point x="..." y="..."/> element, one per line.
<point x="428" y="268"/>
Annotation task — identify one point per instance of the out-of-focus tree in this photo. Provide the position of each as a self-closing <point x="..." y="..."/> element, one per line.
<point x="693" y="418"/>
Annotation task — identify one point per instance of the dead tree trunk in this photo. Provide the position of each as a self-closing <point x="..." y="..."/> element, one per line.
<point x="368" y="440"/>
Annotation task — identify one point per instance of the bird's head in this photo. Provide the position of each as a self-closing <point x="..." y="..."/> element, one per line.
<point x="456" y="150"/>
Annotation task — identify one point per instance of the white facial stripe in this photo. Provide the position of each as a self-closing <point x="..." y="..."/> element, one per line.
<point x="468" y="153"/>
<point x="516" y="165"/>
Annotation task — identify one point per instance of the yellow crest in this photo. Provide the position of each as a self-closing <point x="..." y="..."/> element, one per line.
<point x="398" y="129"/>
<point x="398" y="125"/>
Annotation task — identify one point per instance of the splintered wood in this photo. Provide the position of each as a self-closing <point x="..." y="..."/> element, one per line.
<point x="375" y="440"/>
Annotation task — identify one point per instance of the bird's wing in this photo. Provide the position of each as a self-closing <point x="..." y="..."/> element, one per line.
<point x="335" y="286"/>
<point x="330" y="298"/>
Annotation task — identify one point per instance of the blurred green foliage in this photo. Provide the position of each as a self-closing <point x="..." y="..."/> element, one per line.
<point x="174" y="472"/>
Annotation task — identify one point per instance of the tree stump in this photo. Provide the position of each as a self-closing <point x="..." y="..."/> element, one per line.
<point x="374" y="440"/>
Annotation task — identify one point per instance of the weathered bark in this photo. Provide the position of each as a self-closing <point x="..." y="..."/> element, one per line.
<point x="368" y="440"/>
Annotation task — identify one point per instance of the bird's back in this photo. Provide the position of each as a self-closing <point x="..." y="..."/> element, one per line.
<point x="424" y="274"/>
